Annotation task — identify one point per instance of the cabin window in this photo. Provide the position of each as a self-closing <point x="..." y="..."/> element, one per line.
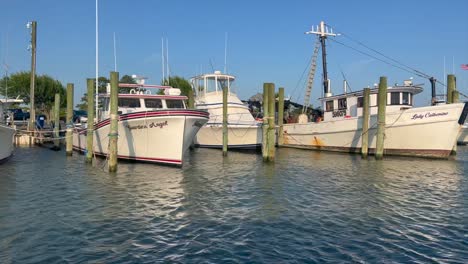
<point x="394" y="98"/>
<point x="342" y="104"/>
<point x="360" y="101"/>
<point x="174" y="103"/>
<point x="406" y="99"/>
<point x="129" y="102"/>
<point x="329" y="106"/>
<point x="153" y="103"/>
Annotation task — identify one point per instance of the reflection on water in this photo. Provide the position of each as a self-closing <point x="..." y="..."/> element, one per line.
<point x="307" y="206"/>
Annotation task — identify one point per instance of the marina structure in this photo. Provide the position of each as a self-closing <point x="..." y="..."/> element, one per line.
<point x="409" y="131"/>
<point x="7" y="130"/>
<point x="152" y="127"/>
<point x="244" y="132"/>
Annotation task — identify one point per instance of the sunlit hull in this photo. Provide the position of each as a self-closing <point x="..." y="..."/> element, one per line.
<point x="424" y="131"/>
<point x="154" y="136"/>
<point x="6" y="142"/>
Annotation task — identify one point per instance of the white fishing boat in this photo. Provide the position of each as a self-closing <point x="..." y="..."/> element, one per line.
<point x="244" y="132"/>
<point x="7" y="131"/>
<point x="409" y="131"/>
<point x="152" y="128"/>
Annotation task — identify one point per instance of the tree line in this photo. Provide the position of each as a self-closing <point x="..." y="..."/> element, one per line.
<point x="18" y="85"/>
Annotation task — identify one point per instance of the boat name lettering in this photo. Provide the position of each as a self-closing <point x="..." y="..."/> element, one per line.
<point x="160" y="124"/>
<point x="152" y="125"/>
<point x="427" y="115"/>
<point x="339" y="113"/>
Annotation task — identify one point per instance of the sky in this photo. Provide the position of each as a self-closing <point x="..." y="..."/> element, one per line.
<point x="265" y="41"/>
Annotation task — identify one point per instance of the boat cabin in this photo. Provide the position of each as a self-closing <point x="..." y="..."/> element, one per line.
<point x="209" y="83"/>
<point x="141" y="100"/>
<point x="349" y="105"/>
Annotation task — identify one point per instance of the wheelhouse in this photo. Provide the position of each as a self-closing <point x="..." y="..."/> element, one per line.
<point x="209" y="83"/>
<point x="141" y="101"/>
<point x="350" y="104"/>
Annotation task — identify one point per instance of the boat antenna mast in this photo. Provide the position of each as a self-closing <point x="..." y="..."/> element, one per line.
<point x="323" y="32"/>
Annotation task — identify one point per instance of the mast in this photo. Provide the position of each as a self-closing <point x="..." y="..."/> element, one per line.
<point x="323" y="33"/>
<point x="97" y="64"/>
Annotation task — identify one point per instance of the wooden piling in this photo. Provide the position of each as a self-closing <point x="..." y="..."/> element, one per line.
<point x="113" y="133"/>
<point x="280" y="115"/>
<point x="271" y="122"/>
<point x="451" y="84"/>
<point x="191" y="99"/>
<point x="455" y="96"/>
<point x="32" y="107"/>
<point x="225" y="121"/>
<point x="90" y="122"/>
<point x="382" y="104"/>
<point x="69" y="120"/>
<point x="57" y="122"/>
<point x="265" y="122"/>
<point x="365" y="123"/>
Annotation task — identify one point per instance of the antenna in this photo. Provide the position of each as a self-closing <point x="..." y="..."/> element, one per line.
<point x="162" y="60"/>
<point x="225" y="52"/>
<point x="115" y="56"/>
<point x="167" y="60"/>
<point x="97" y="61"/>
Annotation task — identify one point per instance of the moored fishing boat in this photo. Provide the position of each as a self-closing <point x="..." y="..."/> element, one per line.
<point x="152" y="128"/>
<point x="7" y="131"/>
<point x="244" y="132"/>
<point x="409" y="131"/>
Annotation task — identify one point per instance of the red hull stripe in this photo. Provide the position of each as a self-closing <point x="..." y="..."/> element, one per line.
<point x="155" y="160"/>
<point x="154" y="114"/>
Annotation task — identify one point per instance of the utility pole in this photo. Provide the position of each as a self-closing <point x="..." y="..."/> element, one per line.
<point x="32" y="119"/>
<point x="323" y="32"/>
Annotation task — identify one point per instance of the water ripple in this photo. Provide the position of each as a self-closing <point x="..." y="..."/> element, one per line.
<point x="306" y="207"/>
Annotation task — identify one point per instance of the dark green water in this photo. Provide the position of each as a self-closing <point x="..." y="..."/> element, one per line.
<point x="307" y="207"/>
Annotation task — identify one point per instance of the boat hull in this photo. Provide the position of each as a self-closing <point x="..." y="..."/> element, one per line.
<point x="153" y="136"/>
<point x="424" y="132"/>
<point x="6" y="142"/>
<point x="239" y="136"/>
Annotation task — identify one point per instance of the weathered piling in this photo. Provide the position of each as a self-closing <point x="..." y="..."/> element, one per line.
<point x="90" y="122"/>
<point x="265" y="122"/>
<point x="365" y="123"/>
<point x="32" y="107"/>
<point x="451" y="86"/>
<point x="191" y="99"/>
<point x="382" y="104"/>
<point x="455" y="96"/>
<point x="455" y="99"/>
<point x="113" y="133"/>
<point x="57" y="122"/>
<point x="69" y="121"/>
<point x="271" y="122"/>
<point x="225" y="121"/>
<point x="280" y="115"/>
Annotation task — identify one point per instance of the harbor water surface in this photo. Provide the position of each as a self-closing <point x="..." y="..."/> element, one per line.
<point x="306" y="207"/>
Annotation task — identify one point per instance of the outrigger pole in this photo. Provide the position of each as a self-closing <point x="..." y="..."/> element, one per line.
<point x="323" y="32"/>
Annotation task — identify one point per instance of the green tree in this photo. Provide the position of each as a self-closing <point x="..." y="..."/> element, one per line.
<point x="102" y="84"/>
<point x="177" y="82"/>
<point x="102" y="88"/>
<point x="44" y="94"/>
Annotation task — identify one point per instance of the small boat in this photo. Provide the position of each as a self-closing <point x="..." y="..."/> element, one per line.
<point x="409" y="131"/>
<point x="152" y="128"/>
<point x="7" y="131"/>
<point x="244" y="132"/>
